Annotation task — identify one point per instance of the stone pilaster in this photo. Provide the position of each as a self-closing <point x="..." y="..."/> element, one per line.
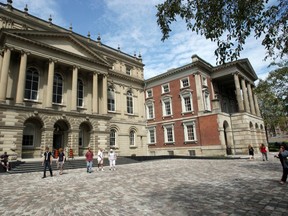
<point x="50" y="83"/>
<point x="95" y="93"/>
<point x="74" y="88"/>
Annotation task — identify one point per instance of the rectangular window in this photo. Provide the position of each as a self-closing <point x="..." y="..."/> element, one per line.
<point x="165" y="88"/>
<point x="150" y="111"/>
<point x="149" y="93"/>
<point x="189" y="131"/>
<point x="187" y="102"/>
<point x="169" y="134"/>
<point x="151" y="135"/>
<point x="184" y="83"/>
<point x="167" y="108"/>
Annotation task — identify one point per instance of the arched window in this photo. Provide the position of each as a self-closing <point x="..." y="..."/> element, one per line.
<point x="129" y="102"/>
<point x="57" y="88"/>
<point x="132" y="138"/>
<point x="111" y="99"/>
<point x="80" y="93"/>
<point x="112" y="137"/>
<point x="31" y="84"/>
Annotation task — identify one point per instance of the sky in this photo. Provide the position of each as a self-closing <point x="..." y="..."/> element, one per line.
<point x="132" y="25"/>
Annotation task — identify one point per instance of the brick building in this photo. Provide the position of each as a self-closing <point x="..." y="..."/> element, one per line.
<point x="198" y="109"/>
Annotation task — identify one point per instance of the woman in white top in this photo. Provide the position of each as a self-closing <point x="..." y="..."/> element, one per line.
<point x="100" y="159"/>
<point x="112" y="159"/>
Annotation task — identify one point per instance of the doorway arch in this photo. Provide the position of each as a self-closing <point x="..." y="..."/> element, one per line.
<point x="227" y="137"/>
<point x="85" y="129"/>
<point x="60" y="134"/>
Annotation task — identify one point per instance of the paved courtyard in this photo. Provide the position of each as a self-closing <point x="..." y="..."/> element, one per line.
<point x="163" y="187"/>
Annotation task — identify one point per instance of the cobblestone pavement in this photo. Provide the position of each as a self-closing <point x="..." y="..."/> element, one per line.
<point x="163" y="187"/>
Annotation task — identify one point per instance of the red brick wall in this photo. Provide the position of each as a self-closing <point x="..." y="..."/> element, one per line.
<point x="208" y="129"/>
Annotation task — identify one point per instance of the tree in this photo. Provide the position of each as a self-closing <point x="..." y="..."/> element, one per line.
<point x="229" y="23"/>
<point x="273" y="100"/>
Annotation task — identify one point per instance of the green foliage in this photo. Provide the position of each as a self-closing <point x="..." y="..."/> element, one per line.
<point x="273" y="99"/>
<point x="229" y="23"/>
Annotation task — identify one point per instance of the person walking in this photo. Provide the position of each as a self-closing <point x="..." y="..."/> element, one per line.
<point x="89" y="160"/>
<point x="5" y="161"/>
<point x="112" y="159"/>
<point x="47" y="162"/>
<point x="284" y="154"/>
<point x="60" y="161"/>
<point x="100" y="159"/>
<point x="251" y="151"/>
<point x="263" y="150"/>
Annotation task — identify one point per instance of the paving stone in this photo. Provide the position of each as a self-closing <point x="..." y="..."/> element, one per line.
<point x="163" y="187"/>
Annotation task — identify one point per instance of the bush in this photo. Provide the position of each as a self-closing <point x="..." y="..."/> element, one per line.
<point x="274" y="146"/>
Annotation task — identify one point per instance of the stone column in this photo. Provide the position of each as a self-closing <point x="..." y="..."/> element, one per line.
<point x="95" y="93"/>
<point x="74" y="88"/>
<point x="104" y="92"/>
<point x="251" y="101"/>
<point x="4" y="74"/>
<point x="50" y="83"/>
<point x="245" y="96"/>
<point x="238" y="93"/>
<point x="21" y="79"/>
<point x="256" y="105"/>
<point x="1" y="60"/>
<point x="199" y="92"/>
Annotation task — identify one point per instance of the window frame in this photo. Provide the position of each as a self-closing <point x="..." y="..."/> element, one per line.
<point x="183" y="96"/>
<point x="80" y="100"/>
<point x="163" y="88"/>
<point x="164" y="107"/>
<point x="129" y="103"/>
<point x="147" y="93"/>
<point x="182" y="83"/>
<point x="33" y="84"/>
<point x="58" y="86"/>
<point x="186" y="131"/>
<point x="111" y="101"/>
<point x="167" y="138"/>
<point x="153" y="129"/>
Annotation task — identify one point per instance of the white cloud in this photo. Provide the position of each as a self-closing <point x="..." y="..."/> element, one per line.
<point x="132" y="25"/>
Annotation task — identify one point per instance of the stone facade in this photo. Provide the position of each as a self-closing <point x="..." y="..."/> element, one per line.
<point x="53" y="90"/>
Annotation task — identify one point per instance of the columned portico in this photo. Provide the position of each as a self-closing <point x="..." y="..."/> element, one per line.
<point x="95" y="93"/>
<point x="238" y="93"/>
<point x="50" y="83"/>
<point x="245" y="96"/>
<point x="74" y="88"/>
<point x="251" y="101"/>
<point x="4" y="73"/>
<point x="21" y="79"/>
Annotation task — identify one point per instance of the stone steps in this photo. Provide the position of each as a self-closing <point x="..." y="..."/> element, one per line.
<point x="36" y="166"/>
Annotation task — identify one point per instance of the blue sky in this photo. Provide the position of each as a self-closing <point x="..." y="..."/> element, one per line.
<point x="132" y="25"/>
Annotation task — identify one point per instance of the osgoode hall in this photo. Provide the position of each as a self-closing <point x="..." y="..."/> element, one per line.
<point x="64" y="90"/>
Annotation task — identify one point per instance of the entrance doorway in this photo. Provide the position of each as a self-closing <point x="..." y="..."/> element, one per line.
<point x="60" y="135"/>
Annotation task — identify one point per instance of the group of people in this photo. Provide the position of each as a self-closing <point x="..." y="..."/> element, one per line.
<point x="100" y="159"/>
<point x="282" y="155"/>
<point x="263" y="150"/>
<point x="48" y="158"/>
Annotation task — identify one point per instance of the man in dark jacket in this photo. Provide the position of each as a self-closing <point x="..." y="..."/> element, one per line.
<point x="47" y="162"/>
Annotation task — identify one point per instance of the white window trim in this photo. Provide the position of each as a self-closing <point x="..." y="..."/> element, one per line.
<point x="166" y="135"/>
<point x="206" y="100"/>
<point x="182" y="95"/>
<point x="115" y="104"/>
<point x="147" y="95"/>
<point x="147" y="110"/>
<point x="164" y="108"/>
<point x="149" y="135"/>
<point x="162" y="88"/>
<point x="188" y="123"/>
<point x="181" y="82"/>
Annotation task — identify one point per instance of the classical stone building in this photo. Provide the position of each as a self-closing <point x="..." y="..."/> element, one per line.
<point x="198" y="109"/>
<point x="63" y="90"/>
<point x="60" y="89"/>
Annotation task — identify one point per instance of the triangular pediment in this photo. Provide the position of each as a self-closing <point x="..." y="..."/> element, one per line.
<point x="63" y="42"/>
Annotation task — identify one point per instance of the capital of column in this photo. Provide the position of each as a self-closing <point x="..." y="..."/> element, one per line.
<point x="24" y="52"/>
<point x="53" y="60"/>
<point x="76" y="67"/>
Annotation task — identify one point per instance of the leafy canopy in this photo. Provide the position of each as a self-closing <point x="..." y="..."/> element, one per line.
<point x="229" y="23"/>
